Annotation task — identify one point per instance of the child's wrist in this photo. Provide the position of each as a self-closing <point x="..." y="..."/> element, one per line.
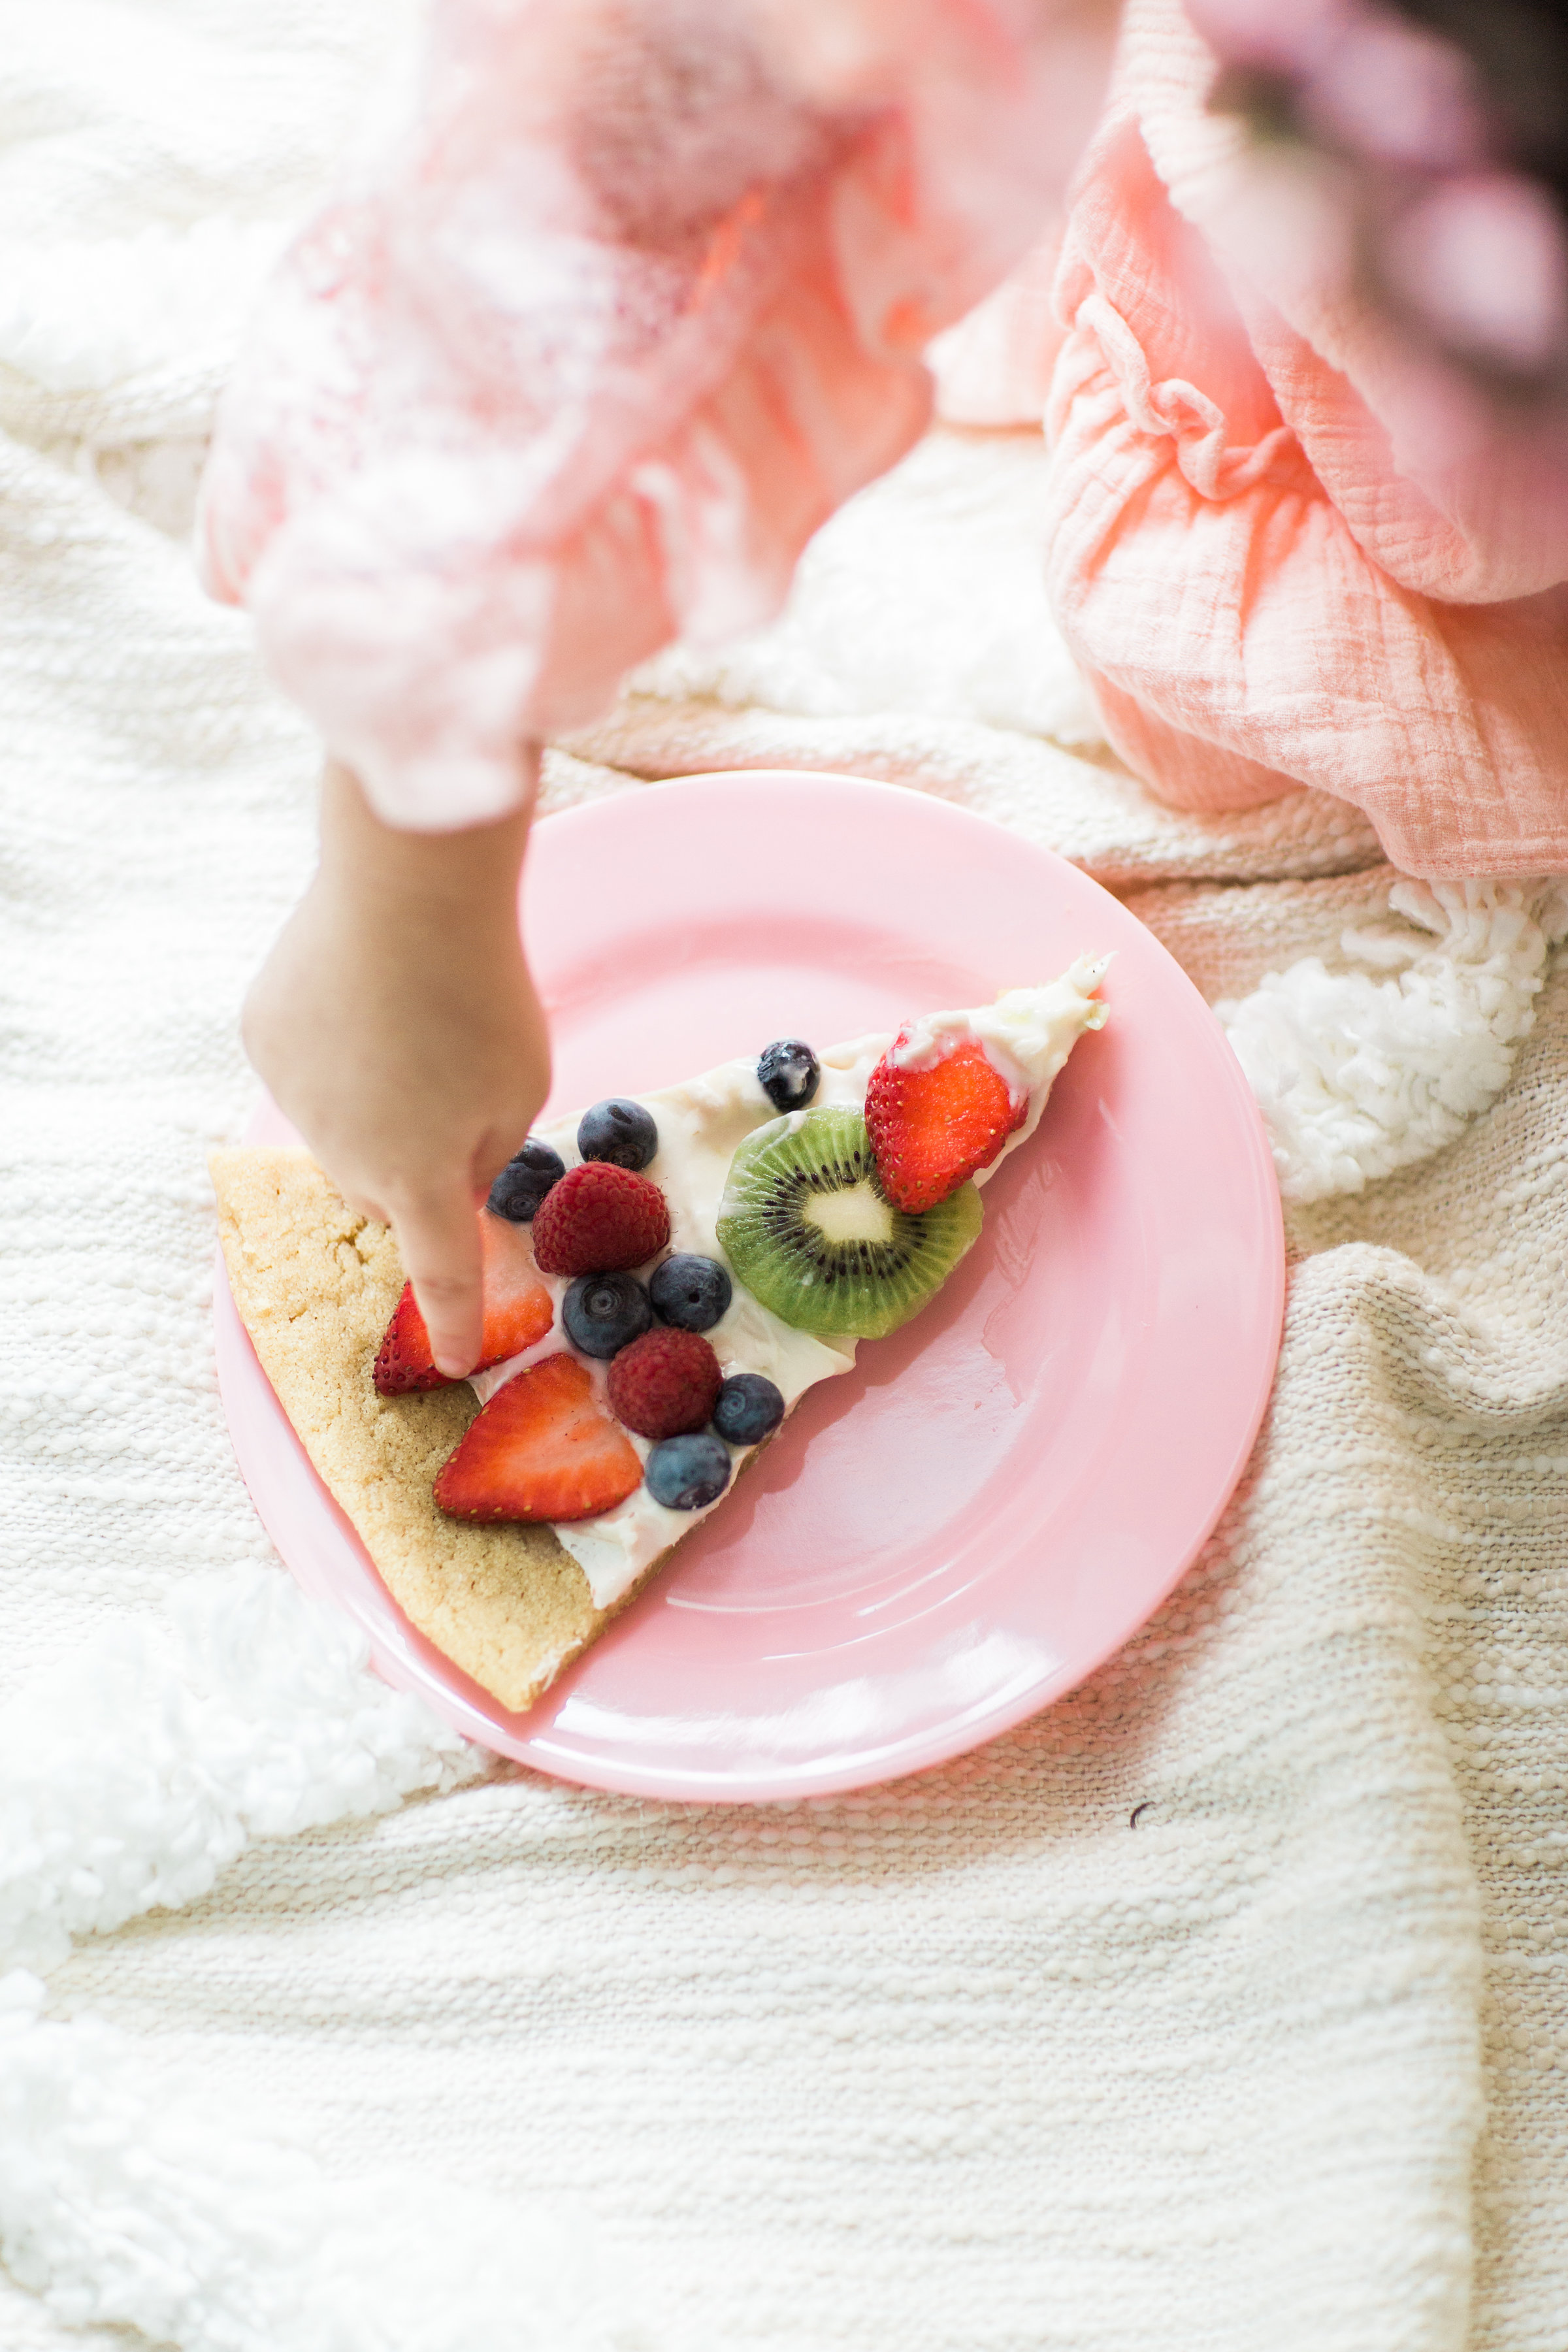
<point x="423" y="877"/>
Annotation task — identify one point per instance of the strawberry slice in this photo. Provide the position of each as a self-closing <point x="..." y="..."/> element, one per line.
<point x="933" y="1128"/>
<point x="518" y="1311"/>
<point x="542" y="1449"/>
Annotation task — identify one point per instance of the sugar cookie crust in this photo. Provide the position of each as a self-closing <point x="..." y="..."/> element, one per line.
<point x="315" y="1286"/>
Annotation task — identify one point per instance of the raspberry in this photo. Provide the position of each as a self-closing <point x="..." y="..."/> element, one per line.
<point x="599" y="1218"/>
<point x="666" y="1383"/>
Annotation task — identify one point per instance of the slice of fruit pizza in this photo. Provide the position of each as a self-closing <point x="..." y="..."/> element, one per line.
<point x="664" y="1278"/>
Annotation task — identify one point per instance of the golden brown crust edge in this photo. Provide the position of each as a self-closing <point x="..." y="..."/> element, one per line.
<point x="315" y="1286"/>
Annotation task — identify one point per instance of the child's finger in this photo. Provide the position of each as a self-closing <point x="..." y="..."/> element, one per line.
<point x="438" y="1241"/>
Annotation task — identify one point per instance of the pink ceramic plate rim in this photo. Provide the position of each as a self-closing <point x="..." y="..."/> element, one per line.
<point x="781" y="1654"/>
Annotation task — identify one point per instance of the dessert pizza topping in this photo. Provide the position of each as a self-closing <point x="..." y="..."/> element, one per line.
<point x="518" y="1313"/>
<point x="687" y="1473"/>
<point x="790" y="1245"/>
<point x="690" y="1292"/>
<point x="524" y="1182"/>
<point x="600" y="1219"/>
<point x="788" y="1072"/>
<point x="404" y="1362"/>
<point x="811" y="1233"/>
<point x="666" y="1383"/>
<point x="749" y="1407"/>
<point x="933" y="1128"/>
<point x="603" y="1313"/>
<point x="619" y="1132"/>
<point x="542" y="1449"/>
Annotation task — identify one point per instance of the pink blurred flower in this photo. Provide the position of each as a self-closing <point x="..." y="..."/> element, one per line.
<point x="1384" y="91"/>
<point x="1484" y="260"/>
<point x="1395" y="136"/>
<point x="1285" y="36"/>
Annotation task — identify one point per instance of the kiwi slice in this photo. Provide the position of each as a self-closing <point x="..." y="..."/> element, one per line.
<point x="808" y="1228"/>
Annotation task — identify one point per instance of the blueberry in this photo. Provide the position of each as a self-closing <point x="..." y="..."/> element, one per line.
<point x="684" y="1473"/>
<point x="621" y="1132"/>
<point x="524" y="1181"/>
<point x="789" y="1072"/>
<point x="604" y="1312"/>
<point x="749" y="1409"/>
<point x="690" y="1292"/>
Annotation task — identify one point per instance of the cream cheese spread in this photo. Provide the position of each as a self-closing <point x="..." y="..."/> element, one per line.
<point x="1026" y="1035"/>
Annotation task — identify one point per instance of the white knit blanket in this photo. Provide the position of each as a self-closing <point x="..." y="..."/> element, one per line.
<point x="1220" y="2010"/>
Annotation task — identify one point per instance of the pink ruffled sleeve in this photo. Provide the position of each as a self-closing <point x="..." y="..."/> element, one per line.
<point x="580" y="360"/>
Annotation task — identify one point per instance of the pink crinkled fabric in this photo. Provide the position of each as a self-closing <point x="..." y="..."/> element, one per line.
<point x="634" y="296"/>
<point x="1276" y="551"/>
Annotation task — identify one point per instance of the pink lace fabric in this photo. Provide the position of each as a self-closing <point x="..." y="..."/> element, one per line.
<point x="1283" y="551"/>
<point x="579" y="361"/>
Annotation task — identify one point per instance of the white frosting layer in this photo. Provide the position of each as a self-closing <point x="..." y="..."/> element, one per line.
<point x="1028" y="1034"/>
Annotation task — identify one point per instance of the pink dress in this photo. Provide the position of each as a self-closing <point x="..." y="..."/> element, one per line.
<point x="1278" y="551"/>
<point x="582" y="357"/>
<point x="638" y="293"/>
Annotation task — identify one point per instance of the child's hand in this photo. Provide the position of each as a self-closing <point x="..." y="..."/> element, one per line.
<point x="396" y="1025"/>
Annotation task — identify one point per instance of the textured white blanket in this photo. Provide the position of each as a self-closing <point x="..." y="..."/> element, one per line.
<point x="1222" y="2006"/>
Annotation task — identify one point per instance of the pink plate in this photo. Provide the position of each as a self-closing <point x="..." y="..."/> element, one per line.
<point x="958" y="1531"/>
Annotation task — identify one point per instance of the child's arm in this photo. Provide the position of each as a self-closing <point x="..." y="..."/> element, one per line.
<point x="396" y="1025"/>
<point x="627" y="301"/>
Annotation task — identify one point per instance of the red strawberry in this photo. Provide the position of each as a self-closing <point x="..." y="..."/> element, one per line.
<point x="666" y="1383"/>
<point x="517" y="1312"/>
<point x="599" y="1218"/>
<point x="931" y="1129"/>
<point x="541" y="1449"/>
